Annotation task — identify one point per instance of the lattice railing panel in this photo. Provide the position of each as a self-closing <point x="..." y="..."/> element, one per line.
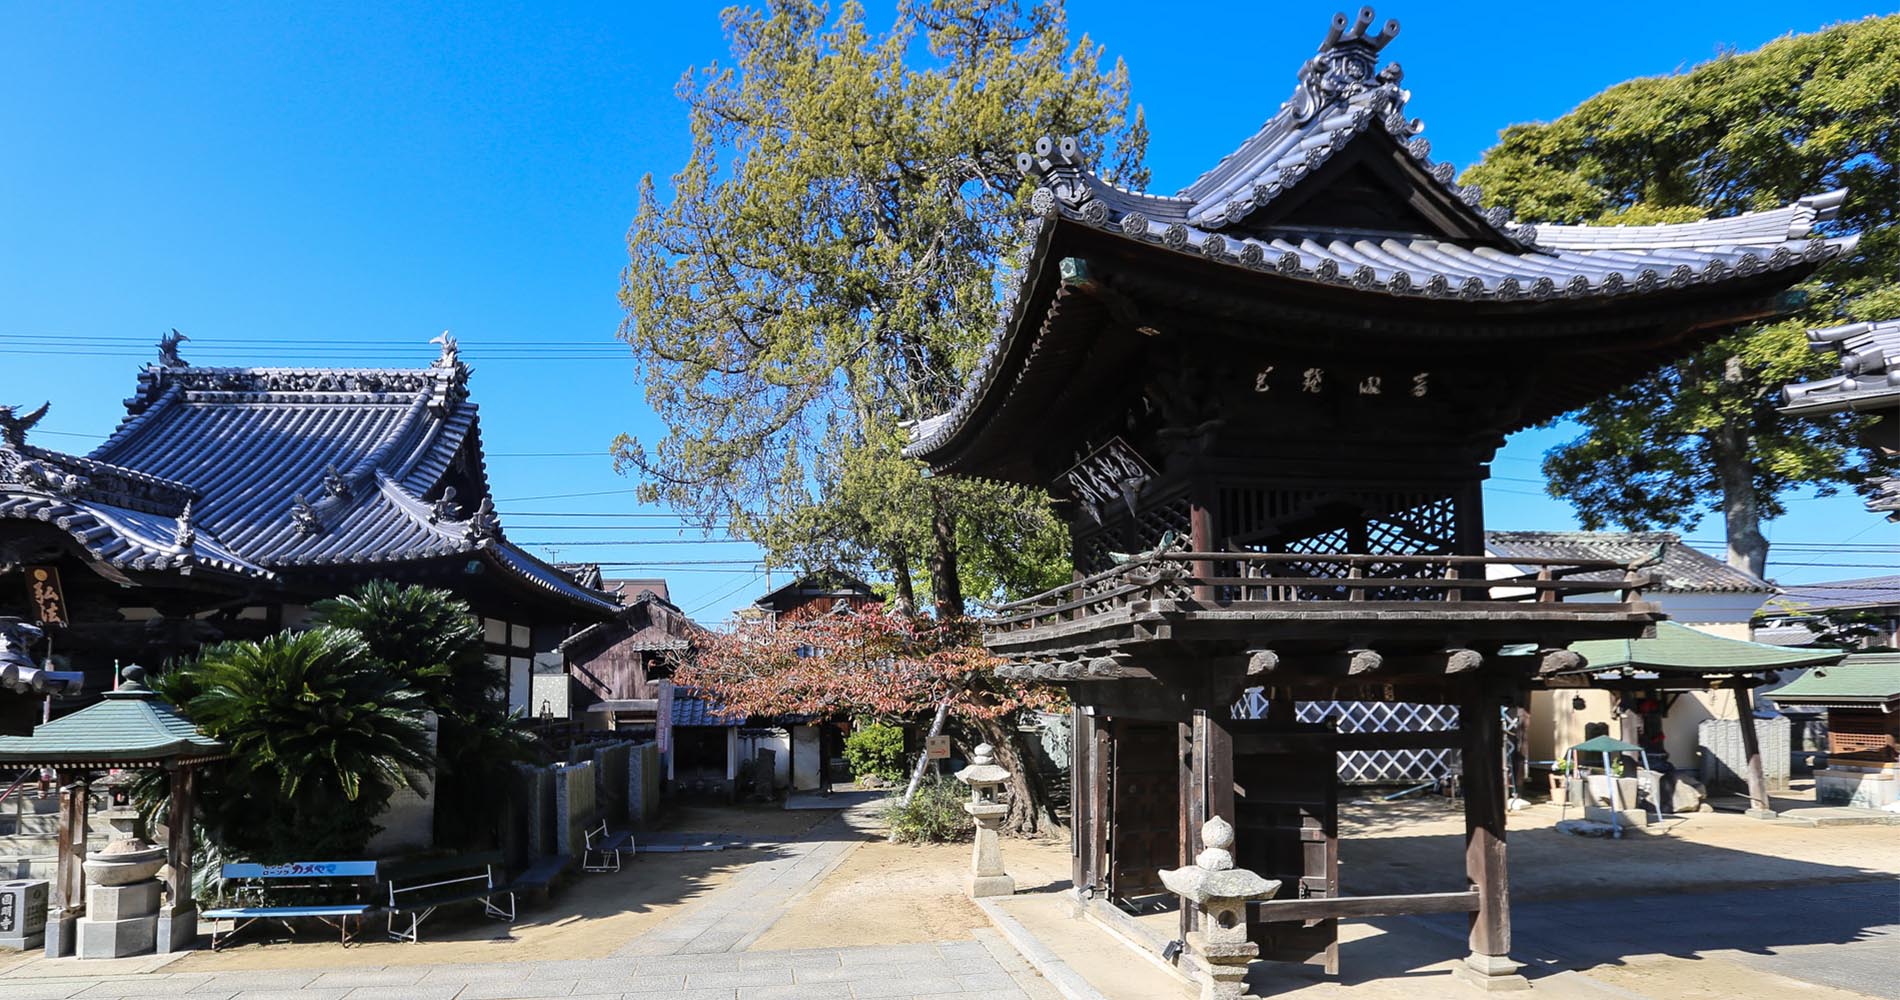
<point x="1375" y="767"/>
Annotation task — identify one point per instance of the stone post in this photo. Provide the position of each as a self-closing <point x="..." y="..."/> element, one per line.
<point x="1220" y="891"/>
<point x="984" y="777"/>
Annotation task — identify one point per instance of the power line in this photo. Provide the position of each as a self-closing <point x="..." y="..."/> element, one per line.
<point x="564" y="543"/>
<point x="565" y="496"/>
<point x="709" y="603"/>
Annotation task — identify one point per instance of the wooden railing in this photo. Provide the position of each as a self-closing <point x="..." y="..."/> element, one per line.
<point x="1226" y="579"/>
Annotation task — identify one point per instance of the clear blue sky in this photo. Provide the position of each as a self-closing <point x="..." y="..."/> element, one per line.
<point x="336" y="183"/>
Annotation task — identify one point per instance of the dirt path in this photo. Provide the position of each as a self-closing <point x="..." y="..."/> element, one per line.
<point x="905" y="894"/>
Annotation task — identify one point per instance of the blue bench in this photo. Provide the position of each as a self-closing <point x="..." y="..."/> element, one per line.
<point x="418" y="889"/>
<point x="247" y="887"/>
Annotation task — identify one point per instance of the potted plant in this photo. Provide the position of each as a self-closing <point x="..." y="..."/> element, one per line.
<point x="1560" y="781"/>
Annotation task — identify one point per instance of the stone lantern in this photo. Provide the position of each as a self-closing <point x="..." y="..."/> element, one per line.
<point x="985" y="779"/>
<point x="1220" y="891"/>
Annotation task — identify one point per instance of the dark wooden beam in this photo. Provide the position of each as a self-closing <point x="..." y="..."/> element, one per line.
<point x="1758" y="804"/>
<point x="1349" y="907"/>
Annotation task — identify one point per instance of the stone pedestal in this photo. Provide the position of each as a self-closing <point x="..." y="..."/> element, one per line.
<point x="120" y="920"/>
<point x="984" y="777"/>
<point x="1865" y="787"/>
<point x="1220" y="891"/>
<point x="177" y="929"/>
<point x="1492" y="973"/>
<point x="62" y="926"/>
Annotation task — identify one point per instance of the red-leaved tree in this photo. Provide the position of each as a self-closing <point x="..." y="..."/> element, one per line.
<point x="874" y="661"/>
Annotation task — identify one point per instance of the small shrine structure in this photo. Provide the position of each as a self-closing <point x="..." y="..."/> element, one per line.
<point x="1861" y="695"/>
<point x="130" y="729"/>
<point x="1677" y="660"/>
<point x="1266" y="405"/>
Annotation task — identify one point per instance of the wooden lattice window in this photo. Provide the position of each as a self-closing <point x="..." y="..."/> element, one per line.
<point x="1866" y="736"/>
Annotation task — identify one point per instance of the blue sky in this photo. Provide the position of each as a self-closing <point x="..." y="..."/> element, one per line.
<point x="335" y="184"/>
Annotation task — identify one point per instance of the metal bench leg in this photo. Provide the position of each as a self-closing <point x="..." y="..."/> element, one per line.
<point x="497" y="912"/>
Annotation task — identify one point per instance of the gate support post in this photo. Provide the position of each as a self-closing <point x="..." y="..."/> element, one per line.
<point x="1489" y="965"/>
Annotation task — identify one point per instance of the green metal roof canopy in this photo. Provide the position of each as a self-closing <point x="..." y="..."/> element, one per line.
<point x="1681" y="650"/>
<point x="1864" y="679"/>
<point x="130" y="728"/>
<point x="1605" y="744"/>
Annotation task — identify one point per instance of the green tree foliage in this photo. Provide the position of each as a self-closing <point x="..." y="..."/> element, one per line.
<point x="935" y="815"/>
<point x="1802" y="115"/>
<point x="321" y="734"/>
<point x="824" y="270"/>
<point x="876" y="750"/>
<point x="432" y="641"/>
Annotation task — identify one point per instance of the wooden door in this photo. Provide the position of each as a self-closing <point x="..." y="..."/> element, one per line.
<point x="1144" y="829"/>
<point x="1286" y="810"/>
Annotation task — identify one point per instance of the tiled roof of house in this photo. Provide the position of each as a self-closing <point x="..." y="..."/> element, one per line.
<point x="267" y="471"/>
<point x="694" y="710"/>
<point x="1871" y="591"/>
<point x="1683" y="569"/>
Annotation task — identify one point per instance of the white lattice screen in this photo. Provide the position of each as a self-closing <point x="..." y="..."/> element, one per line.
<point x="1375" y="767"/>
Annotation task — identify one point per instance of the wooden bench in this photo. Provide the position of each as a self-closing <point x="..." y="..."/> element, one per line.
<point x="604" y="849"/>
<point x="417" y="890"/>
<point x="250" y="885"/>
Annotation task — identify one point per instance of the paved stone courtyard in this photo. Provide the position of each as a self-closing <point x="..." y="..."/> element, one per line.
<point x="960" y="970"/>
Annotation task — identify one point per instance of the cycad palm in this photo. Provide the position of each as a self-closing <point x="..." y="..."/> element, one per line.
<point x="320" y="733"/>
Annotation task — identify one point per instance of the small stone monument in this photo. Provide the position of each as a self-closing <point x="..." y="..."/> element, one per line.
<point x="122" y="900"/>
<point x="984" y="777"/>
<point x="1220" y="891"/>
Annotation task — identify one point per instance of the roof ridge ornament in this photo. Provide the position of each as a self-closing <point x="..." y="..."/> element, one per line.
<point x="304" y="516"/>
<point x="449" y="374"/>
<point x="1056" y="166"/>
<point x="168" y="349"/>
<point x="484" y="524"/>
<point x="185" y="536"/>
<point x="13" y="427"/>
<point x="1347" y="65"/>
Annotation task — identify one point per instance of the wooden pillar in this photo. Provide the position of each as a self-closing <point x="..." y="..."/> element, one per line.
<point x="1193" y="807"/>
<point x="1758" y="805"/>
<point x="69" y="879"/>
<point x="178" y="829"/>
<point x="1082" y="816"/>
<point x="1489" y="963"/>
<point x="1100" y="808"/>
<point x="1201" y="539"/>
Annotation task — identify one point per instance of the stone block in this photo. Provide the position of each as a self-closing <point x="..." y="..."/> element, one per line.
<point x="61" y="928"/>
<point x="1492" y="973"/>
<point x="122" y="902"/>
<point x="1866" y="789"/>
<point x="177" y="930"/>
<point x="116" y="938"/>
<point x="981" y="886"/>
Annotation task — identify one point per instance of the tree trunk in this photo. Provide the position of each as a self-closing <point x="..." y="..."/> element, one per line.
<point x="1026" y="808"/>
<point x="1741" y="508"/>
<point x="906" y="592"/>
<point x="946" y="585"/>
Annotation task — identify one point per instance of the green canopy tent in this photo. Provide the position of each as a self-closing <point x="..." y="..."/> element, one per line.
<point x="131" y="728"/>
<point x="1679" y="658"/>
<point x="1605" y="745"/>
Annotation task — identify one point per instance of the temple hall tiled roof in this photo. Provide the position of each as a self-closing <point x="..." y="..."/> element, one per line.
<point x="1682" y="569"/>
<point x="1870" y="371"/>
<point x="268" y="471"/>
<point x="1338" y="190"/>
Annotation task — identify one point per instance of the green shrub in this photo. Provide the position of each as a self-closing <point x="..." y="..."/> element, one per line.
<point x="876" y="750"/>
<point x="935" y="814"/>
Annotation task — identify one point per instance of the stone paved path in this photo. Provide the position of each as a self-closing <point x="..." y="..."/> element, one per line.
<point x="698" y="954"/>
<point x="960" y="970"/>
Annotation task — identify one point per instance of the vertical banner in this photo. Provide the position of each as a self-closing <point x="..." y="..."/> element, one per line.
<point x="43" y="589"/>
